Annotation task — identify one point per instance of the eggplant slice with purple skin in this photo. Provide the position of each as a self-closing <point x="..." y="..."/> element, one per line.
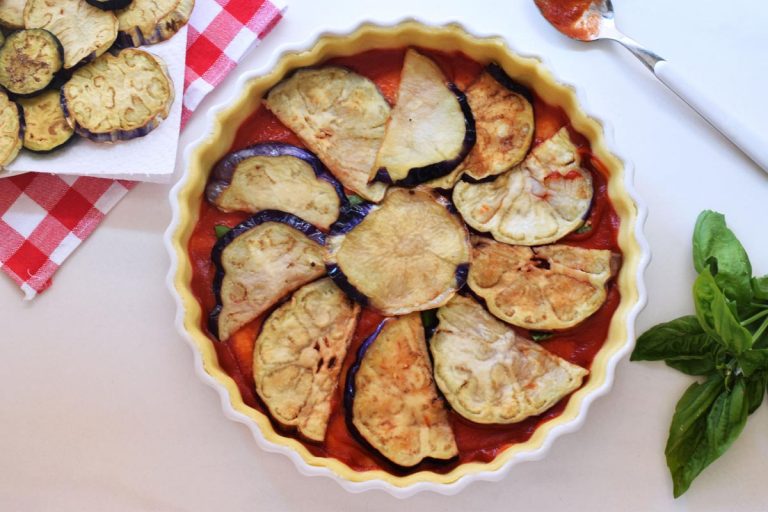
<point x="431" y="129"/>
<point x="11" y="129"/>
<point x="110" y="5"/>
<point x="489" y="373"/>
<point x="391" y="400"/>
<point x="259" y="262"/>
<point x="538" y="202"/>
<point x="410" y="253"/>
<point x="145" y="22"/>
<point x="272" y="176"/>
<point x="299" y="353"/>
<point x="541" y="288"/>
<point x="85" y="31"/>
<point x="47" y="128"/>
<point x="341" y="116"/>
<point x="29" y="60"/>
<point x="105" y="107"/>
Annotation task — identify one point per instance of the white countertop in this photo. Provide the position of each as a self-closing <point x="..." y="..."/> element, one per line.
<point x="100" y="407"/>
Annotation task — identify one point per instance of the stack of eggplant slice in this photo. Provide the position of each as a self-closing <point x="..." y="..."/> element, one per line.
<point x="62" y="68"/>
<point x="375" y="212"/>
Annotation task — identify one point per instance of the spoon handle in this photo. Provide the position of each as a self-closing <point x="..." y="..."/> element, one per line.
<point x="749" y="140"/>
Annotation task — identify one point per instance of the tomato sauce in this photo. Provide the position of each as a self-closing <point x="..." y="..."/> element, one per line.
<point x="477" y="443"/>
<point x="568" y="16"/>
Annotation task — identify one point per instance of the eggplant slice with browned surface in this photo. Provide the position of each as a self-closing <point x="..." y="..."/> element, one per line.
<point x="151" y="21"/>
<point x="276" y="176"/>
<point x="12" y="14"/>
<point x="105" y="107"/>
<point x="431" y="128"/>
<point x="340" y="115"/>
<point x="490" y="374"/>
<point x="29" y="60"/>
<point x="541" y="288"/>
<point x="258" y="263"/>
<point x="84" y="31"/>
<point x="298" y="355"/>
<point x="410" y="253"/>
<point x="11" y="129"/>
<point x="537" y="202"/>
<point x="110" y="5"/>
<point x="47" y="128"/>
<point x="391" y="399"/>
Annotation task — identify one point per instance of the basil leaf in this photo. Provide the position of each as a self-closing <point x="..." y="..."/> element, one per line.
<point x="752" y="361"/>
<point x="760" y="287"/>
<point x="717" y="249"/>
<point x="682" y="338"/>
<point x="221" y="230"/>
<point x="355" y="200"/>
<point x="429" y="319"/>
<point x="716" y="316"/>
<point x="756" y="391"/>
<point x="690" y="454"/>
<point x="541" y="335"/>
<point x="703" y="365"/>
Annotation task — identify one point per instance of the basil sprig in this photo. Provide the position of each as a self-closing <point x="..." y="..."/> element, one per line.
<point x="726" y="342"/>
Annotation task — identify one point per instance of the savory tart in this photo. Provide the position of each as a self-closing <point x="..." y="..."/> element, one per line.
<point x="489" y="373"/>
<point x="298" y="355"/>
<point x="105" y="107"/>
<point x="430" y="130"/>
<point x="84" y="30"/>
<point x="12" y="14"/>
<point x="541" y="288"/>
<point x="47" y="128"/>
<point x="11" y="129"/>
<point x="340" y="115"/>
<point x="276" y="176"/>
<point x="392" y="398"/>
<point x="258" y="263"/>
<point x="411" y="253"/>
<point x="29" y="60"/>
<point x="538" y="202"/>
<point x="152" y="21"/>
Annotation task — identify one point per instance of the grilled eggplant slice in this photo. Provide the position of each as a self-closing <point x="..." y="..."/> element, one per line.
<point x="46" y="127"/>
<point x="11" y="129"/>
<point x="105" y="107"/>
<point x="541" y="288"/>
<point x="298" y="356"/>
<point x="12" y="14"/>
<point x="29" y="60"/>
<point x="504" y="123"/>
<point x="110" y="5"/>
<point x="431" y="129"/>
<point x="151" y="21"/>
<point x="2" y="38"/>
<point x="392" y="398"/>
<point x="273" y="175"/>
<point x="85" y="31"/>
<point x="488" y="373"/>
<point x="538" y="202"/>
<point x="410" y="253"/>
<point x="341" y="117"/>
<point x="260" y="261"/>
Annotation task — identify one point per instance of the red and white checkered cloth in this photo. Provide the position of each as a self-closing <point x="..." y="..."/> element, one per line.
<point x="44" y="217"/>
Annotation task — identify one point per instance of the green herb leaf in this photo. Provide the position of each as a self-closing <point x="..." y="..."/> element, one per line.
<point x="584" y="228"/>
<point x="760" y="287"/>
<point x="717" y="249"/>
<point x="540" y="335"/>
<point x="682" y="343"/>
<point x="355" y="200"/>
<point x="756" y="391"/>
<point x="221" y="230"/>
<point x="752" y="361"/>
<point x="707" y="421"/>
<point x="716" y="316"/>
<point x="429" y="318"/>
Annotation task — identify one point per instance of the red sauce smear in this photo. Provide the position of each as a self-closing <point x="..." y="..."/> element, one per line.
<point x="477" y="443"/>
<point x="571" y="17"/>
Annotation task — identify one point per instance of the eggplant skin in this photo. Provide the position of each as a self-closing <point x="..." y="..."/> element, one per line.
<point x="110" y="5"/>
<point x="436" y="170"/>
<point x="29" y="61"/>
<point x="317" y="201"/>
<point x="288" y="219"/>
<point x="504" y="79"/>
<point x="144" y="22"/>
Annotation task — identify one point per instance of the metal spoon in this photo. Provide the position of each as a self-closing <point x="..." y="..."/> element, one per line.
<point x="597" y="22"/>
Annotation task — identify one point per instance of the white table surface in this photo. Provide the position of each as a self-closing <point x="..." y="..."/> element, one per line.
<point x="100" y="407"/>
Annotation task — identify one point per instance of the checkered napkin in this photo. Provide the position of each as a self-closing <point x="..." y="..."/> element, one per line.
<point x="44" y="217"/>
